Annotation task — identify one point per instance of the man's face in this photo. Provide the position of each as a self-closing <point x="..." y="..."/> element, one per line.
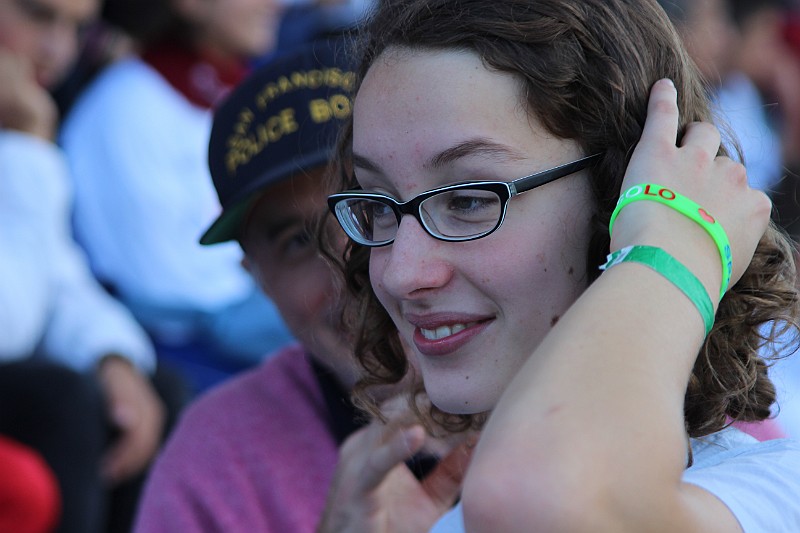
<point x="45" y="34"/>
<point x="281" y="254"/>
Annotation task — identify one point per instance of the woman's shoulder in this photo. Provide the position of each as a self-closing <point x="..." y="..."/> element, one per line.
<point x="758" y="481"/>
<point x="121" y="81"/>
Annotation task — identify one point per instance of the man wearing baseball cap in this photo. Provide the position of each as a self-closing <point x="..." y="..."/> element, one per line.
<point x="258" y="452"/>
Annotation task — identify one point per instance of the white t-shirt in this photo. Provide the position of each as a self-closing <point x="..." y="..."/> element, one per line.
<point x="758" y="481"/>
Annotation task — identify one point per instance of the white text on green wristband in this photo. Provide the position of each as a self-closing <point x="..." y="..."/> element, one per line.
<point x="688" y="208"/>
<point x="673" y="270"/>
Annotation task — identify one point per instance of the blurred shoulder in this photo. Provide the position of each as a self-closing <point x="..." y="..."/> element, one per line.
<point x="128" y="88"/>
<point x="280" y="389"/>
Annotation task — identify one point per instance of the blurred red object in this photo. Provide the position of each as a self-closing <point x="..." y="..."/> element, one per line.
<point x="30" y="500"/>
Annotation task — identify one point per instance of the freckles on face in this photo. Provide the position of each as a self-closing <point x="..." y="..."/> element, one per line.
<point x="472" y="311"/>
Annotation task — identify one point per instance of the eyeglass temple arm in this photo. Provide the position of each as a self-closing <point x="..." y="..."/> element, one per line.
<point x="540" y="178"/>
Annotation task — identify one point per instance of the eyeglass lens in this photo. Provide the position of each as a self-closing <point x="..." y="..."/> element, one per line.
<point x="458" y="213"/>
<point x="461" y="212"/>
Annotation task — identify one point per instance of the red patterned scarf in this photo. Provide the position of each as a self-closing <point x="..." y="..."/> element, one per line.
<point x="201" y="79"/>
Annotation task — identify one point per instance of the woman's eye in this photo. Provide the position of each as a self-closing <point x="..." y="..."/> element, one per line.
<point x="470" y="203"/>
<point x="381" y="214"/>
<point x="465" y="203"/>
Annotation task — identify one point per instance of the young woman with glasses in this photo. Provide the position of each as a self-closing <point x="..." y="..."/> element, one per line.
<point x="493" y="144"/>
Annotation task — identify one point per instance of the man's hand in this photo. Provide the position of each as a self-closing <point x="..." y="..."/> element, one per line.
<point x="137" y="412"/>
<point x="24" y="105"/>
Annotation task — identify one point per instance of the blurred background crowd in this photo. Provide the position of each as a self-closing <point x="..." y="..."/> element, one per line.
<point x="113" y="318"/>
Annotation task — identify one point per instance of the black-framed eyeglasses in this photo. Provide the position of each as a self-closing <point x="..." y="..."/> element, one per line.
<point x="459" y="212"/>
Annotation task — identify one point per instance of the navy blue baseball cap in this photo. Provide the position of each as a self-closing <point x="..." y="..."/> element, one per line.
<point x="281" y="120"/>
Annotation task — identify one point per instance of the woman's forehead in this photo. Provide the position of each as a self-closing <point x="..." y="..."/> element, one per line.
<point x="421" y="109"/>
<point x="422" y="92"/>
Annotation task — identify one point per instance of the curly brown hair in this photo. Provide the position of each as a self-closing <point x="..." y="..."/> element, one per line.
<point x="586" y="69"/>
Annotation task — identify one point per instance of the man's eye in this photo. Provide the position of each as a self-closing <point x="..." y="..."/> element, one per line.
<point x="295" y="241"/>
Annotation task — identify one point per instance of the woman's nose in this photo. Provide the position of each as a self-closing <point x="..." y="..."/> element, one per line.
<point x="414" y="262"/>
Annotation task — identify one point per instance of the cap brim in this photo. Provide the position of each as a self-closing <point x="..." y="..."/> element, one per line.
<point x="227" y="226"/>
<point x="229" y="223"/>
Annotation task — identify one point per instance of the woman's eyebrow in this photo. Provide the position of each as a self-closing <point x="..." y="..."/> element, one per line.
<point x="478" y="146"/>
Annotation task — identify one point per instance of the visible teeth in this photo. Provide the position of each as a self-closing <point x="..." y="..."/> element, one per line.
<point x="442" y="331"/>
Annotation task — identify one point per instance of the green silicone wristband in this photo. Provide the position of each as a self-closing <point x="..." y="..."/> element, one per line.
<point x="673" y="270"/>
<point x="688" y="208"/>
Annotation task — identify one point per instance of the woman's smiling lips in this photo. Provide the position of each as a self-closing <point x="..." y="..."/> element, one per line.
<point x="440" y="335"/>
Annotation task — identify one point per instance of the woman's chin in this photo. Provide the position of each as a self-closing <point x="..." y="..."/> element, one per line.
<point x="462" y="403"/>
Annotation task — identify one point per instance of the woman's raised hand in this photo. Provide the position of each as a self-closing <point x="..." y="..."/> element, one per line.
<point x="373" y="490"/>
<point x="694" y="170"/>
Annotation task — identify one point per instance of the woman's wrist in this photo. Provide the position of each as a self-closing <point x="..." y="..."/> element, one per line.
<point x="673" y="271"/>
<point x="651" y="224"/>
<point x="687" y="207"/>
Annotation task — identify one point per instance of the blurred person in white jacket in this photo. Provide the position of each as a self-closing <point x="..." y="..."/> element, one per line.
<point x="713" y="40"/>
<point x="136" y="141"/>
<point x="75" y="367"/>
